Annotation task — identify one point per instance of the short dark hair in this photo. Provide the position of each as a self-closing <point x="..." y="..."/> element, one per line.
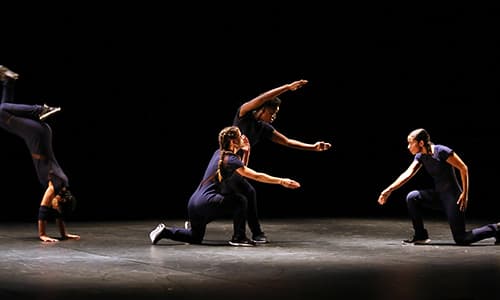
<point x="272" y="103"/>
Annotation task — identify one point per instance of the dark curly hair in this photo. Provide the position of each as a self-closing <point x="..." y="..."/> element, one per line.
<point x="67" y="204"/>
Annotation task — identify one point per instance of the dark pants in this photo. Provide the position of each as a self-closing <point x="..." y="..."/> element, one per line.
<point x="202" y="211"/>
<point x="245" y="188"/>
<point x="447" y="201"/>
<point x="22" y="120"/>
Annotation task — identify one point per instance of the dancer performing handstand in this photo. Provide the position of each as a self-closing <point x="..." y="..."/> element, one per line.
<point x="27" y="122"/>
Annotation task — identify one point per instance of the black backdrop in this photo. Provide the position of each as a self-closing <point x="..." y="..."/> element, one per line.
<point x="145" y="89"/>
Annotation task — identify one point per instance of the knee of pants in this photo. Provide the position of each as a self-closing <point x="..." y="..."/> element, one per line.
<point x="463" y="239"/>
<point x="412" y="196"/>
<point x="197" y="233"/>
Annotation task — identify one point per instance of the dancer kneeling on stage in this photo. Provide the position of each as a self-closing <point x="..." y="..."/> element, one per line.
<point x="441" y="163"/>
<point x="216" y="197"/>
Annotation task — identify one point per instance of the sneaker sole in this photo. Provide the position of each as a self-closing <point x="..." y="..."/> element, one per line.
<point x="260" y="242"/>
<point x="240" y="244"/>
<point x="422" y="242"/>
<point x="44" y="116"/>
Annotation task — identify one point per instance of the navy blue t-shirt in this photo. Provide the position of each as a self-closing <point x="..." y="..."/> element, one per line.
<point x="443" y="173"/>
<point x="209" y="185"/>
<point x="255" y="130"/>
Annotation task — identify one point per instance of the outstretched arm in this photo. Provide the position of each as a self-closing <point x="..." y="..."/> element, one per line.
<point x="281" y="139"/>
<point x="400" y="181"/>
<point x="266" y="178"/>
<point x="264" y="97"/>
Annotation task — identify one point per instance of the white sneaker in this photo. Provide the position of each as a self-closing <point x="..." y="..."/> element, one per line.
<point x="47" y="111"/>
<point x="155" y="235"/>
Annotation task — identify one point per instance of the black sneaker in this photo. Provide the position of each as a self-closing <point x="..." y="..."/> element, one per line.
<point x="417" y="241"/>
<point x="6" y="72"/>
<point x="47" y="111"/>
<point x="156" y="234"/>
<point x="260" y="239"/>
<point x="245" y="242"/>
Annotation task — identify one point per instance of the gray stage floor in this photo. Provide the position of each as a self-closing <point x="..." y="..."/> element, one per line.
<point x="337" y="258"/>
